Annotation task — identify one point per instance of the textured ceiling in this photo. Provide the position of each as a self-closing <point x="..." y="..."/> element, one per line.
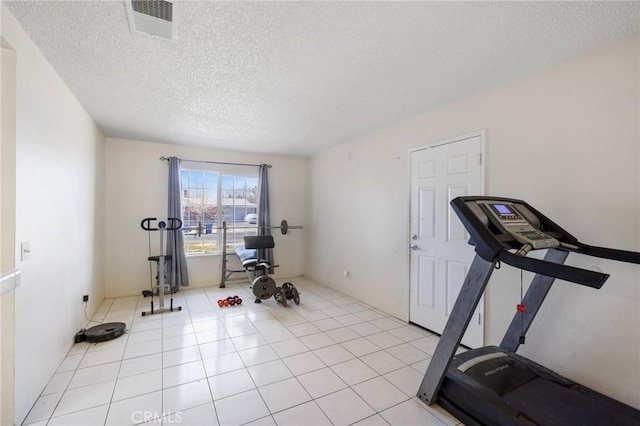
<point x="298" y="77"/>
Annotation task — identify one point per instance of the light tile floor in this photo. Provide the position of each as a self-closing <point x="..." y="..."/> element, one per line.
<point x="332" y="360"/>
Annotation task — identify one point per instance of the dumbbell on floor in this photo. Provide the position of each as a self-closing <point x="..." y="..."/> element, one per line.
<point x="229" y="301"/>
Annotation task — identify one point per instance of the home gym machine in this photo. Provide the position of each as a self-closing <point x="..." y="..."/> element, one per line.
<point x="161" y="287"/>
<point x="247" y="256"/>
<point x="493" y="385"/>
<point x="263" y="286"/>
<point x="257" y="268"/>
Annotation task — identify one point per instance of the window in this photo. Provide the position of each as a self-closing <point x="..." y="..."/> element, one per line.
<point x="210" y="198"/>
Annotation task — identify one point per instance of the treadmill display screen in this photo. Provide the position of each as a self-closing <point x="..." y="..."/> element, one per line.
<point x="502" y="209"/>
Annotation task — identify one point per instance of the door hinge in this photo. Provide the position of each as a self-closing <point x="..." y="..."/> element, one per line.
<point x="480" y="158"/>
<point x="479" y="318"/>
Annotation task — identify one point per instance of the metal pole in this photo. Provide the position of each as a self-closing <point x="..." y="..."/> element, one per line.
<point x="246" y="227"/>
<point x="224" y="254"/>
<point x="216" y="162"/>
<point x="161" y="269"/>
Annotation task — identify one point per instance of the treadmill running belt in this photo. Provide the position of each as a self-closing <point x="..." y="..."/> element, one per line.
<point x="501" y="374"/>
<point x="548" y="403"/>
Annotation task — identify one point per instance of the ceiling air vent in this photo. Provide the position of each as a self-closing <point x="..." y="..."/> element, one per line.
<point x="152" y="17"/>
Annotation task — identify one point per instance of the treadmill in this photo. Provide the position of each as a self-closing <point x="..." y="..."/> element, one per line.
<point x="493" y="385"/>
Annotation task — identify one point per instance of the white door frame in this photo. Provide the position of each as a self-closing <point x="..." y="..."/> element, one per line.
<point x="10" y="276"/>
<point x="482" y="134"/>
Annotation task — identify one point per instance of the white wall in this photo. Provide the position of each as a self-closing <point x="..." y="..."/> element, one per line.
<point x="567" y="141"/>
<point x="136" y="187"/>
<point x="59" y="211"/>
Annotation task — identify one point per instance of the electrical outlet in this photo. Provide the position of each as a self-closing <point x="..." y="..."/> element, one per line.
<point x="85" y="298"/>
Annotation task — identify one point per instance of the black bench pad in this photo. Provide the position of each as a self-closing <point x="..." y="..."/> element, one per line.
<point x="248" y="257"/>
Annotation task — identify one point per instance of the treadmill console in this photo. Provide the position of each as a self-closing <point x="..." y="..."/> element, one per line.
<point x="508" y="219"/>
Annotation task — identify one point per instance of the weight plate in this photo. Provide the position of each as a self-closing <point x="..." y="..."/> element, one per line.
<point x="296" y="296"/>
<point x="283" y="296"/>
<point x="284" y="227"/>
<point x="278" y="295"/>
<point x="263" y="287"/>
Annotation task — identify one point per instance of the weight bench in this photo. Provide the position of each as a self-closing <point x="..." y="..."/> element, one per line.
<point x="248" y="254"/>
<point x="257" y="269"/>
<point x="262" y="285"/>
<point x="248" y="257"/>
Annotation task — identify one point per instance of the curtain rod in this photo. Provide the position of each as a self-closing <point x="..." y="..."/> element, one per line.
<point x="216" y="162"/>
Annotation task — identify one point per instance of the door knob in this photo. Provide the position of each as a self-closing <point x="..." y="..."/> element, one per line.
<point x="414" y="237"/>
<point x="413" y="247"/>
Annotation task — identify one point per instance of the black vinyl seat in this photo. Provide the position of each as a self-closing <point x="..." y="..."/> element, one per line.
<point x="248" y="254"/>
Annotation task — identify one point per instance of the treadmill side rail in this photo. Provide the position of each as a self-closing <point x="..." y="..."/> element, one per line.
<point x="461" y="314"/>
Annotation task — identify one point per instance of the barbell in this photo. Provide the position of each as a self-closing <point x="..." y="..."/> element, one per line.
<point x="284" y="227"/>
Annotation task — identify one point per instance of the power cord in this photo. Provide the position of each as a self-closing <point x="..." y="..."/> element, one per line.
<point x="86" y="316"/>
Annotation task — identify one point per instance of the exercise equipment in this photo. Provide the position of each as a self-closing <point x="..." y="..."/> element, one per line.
<point x="229" y="301"/>
<point x="248" y="257"/>
<point x="493" y="385"/>
<point x="263" y="286"/>
<point x="287" y="292"/>
<point x="174" y="224"/>
<point x="284" y="227"/>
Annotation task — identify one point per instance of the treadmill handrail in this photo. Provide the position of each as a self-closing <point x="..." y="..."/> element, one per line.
<point x="609" y="253"/>
<point x="563" y="272"/>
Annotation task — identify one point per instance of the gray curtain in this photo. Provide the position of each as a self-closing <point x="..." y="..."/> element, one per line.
<point x="177" y="267"/>
<point x="263" y="211"/>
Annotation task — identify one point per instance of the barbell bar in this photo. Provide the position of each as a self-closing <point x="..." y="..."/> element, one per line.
<point x="284" y="227"/>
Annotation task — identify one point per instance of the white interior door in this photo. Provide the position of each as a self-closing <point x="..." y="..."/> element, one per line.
<point x="440" y="253"/>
